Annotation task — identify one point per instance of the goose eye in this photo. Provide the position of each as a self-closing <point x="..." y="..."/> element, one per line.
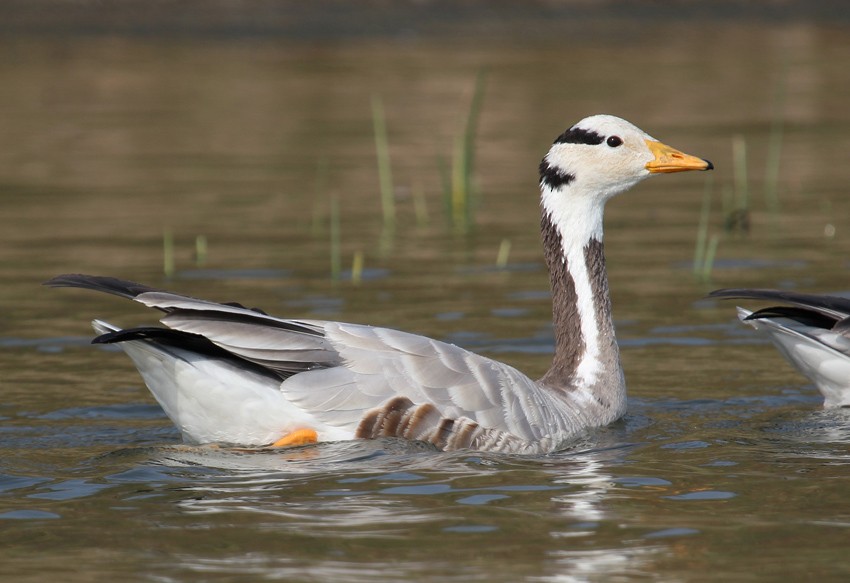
<point x="614" y="141"/>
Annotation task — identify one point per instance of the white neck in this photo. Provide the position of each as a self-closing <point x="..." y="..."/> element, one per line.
<point x="577" y="217"/>
<point x="578" y="220"/>
<point x="586" y="362"/>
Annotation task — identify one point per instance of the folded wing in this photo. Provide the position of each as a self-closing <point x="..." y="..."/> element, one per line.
<point x="349" y="375"/>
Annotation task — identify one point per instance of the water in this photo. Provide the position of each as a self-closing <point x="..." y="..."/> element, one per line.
<point x="725" y="467"/>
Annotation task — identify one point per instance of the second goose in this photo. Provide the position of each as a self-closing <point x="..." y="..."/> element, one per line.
<point x="811" y="331"/>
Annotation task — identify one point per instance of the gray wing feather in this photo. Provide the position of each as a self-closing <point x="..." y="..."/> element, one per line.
<point x="348" y="369"/>
<point x="380" y="364"/>
<point x="170" y="302"/>
<point x="256" y="341"/>
<point x="361" y="366"/>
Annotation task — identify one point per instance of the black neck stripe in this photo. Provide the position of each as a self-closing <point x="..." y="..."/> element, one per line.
<point x="554" y="177"/>
<point x="576" y="135"/>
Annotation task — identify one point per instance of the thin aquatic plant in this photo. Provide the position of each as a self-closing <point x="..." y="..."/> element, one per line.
<point x="705" y="248"/>
<point x="460" y="187"/>
<point x="458" y="184"/>
<point x="739" y="155"/>
<point x="708" y="262"/>
<point x="420" y="205"/>
<point x="702" y="228"/>
<point x="168" y="263"/>
<point x="335" y="239"/>
<point x="385" y="176"/>
<point x="737" y="214"/>
<point x="503" y="254"/>
<point x="357" y="268"/>
<point x="446" y="181"/>
<point x="386" y="241"/>
<point x="321" y="187"/>
<point x="200" y="251"/>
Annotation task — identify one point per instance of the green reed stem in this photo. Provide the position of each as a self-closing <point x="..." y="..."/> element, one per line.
<point x="357" y="268"/>
<point x="420" y="205"/>
<point x="385" y="177"/>
<point x="460" y="182"/>
<point x="335" y="239"/>
<point x="446" y="182"/>
<point x="739" y="155"/>
<point x="460" y="187"/>
<point x="708" y="264"/>
<point x="200" y="250"/>
<point x="503" y="254"/>
<point x="168" y="263"/>
<point x="702" y="229"/>
<point x="321" y="187"/>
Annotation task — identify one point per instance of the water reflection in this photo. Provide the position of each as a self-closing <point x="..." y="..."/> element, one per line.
<point x="391" y="490"/>
<point x="575" y="566"/>
<point x="822" y="434"/>
<point x="590" y="480"/>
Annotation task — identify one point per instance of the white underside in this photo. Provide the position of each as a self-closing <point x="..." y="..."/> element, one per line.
<point x="808" y="350"/>
<point x="212" y="401"/>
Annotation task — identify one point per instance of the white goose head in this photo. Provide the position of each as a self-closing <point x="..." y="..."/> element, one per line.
<point x="596" y="159"/>
<point x="603" y="155"/>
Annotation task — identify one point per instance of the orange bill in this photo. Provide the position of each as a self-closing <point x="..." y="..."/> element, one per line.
<point x="669" y="159"/>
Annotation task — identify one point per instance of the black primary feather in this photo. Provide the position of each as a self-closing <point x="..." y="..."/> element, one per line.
<point x="165" y="338"/>
<point x="110" y="285"/>
<point x="128" y="289"/>
<point x="835" y="307"/>
<point x="801" y="315"/>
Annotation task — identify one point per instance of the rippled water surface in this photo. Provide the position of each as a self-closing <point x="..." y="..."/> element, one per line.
<point x="114" y="137"/>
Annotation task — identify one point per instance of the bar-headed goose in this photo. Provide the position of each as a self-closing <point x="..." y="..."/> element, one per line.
<point x="227" y="374"/>
<point x="811" y="331"/>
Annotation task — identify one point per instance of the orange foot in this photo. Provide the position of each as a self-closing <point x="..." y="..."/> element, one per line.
<point x="297" y="437"/>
